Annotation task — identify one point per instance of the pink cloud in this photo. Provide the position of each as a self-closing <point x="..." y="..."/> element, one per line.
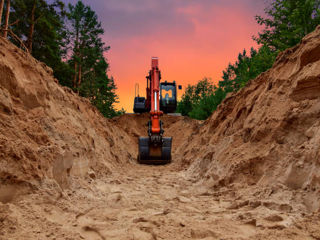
<point x="202" y="48"/>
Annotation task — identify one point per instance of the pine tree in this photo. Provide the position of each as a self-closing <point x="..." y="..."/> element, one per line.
<point x="86" y="50"/>
<point x="201" y="99"/>
<point x="70" y="43"/>
<point x="35" y="16"/>
<point x="288" y="22"/>
<point x="42" y="26"/>
<point x="1" y="10"/>
<point x="6" y="21"/>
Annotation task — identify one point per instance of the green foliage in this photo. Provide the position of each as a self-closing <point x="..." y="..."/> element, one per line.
<point x="288" y="22"/>
<point x="86" y="48"/>
<point x="69" y="41"/>
<point x="193" y="96"/>
<point x="209" y="103"/>
<point x="200" y="100"/>
<point x="47" y="38"/>
<point x="247" y="67"/>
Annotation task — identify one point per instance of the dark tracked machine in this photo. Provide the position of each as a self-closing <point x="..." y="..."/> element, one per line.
<point x="160" y="98"/>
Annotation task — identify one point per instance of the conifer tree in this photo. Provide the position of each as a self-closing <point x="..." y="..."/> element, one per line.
<point x="86" y="50"/>
<point x="42" y="26"/>
<point x="287" y="22"/>
<point x="1" y="10"/>
<point x="6" y="21"/>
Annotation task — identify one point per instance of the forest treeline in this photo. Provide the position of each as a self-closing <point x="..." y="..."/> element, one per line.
<point x="285" y="23"/>
<point x="69" y="40"/>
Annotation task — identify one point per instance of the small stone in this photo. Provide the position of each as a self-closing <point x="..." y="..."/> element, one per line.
<point x="252" y="222"/>
<point x="182" y="224"/>
<point x="274" y="218"/>
<point x="92" y="174"/>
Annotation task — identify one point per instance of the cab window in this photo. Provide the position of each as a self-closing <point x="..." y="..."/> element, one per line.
<point x="166" y="92"/>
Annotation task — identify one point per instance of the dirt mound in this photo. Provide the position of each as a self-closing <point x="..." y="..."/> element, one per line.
<point x="47" y="131"/>
<point x="268" y="133"/>
<point x="177" y="127"/>
<point x="251" y="171"/>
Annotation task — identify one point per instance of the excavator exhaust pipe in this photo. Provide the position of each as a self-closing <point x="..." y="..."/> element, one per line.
<point x="154" y="153"/>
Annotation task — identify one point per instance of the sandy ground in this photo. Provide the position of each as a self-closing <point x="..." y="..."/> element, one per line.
<point x="153" y="202"/>
<point x="251" y="171"/>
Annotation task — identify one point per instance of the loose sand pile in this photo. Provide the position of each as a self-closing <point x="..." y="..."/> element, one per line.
<point x="47" y="131"/>
<point x="268" y="134"/>
<point x="251" y="171"/>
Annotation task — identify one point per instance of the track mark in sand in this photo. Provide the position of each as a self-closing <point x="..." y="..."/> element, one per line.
<point x="143" y="234"/>
<point x="92" y="233"/>
<point x="84" y="212"/>
<point x="202" y="233"/>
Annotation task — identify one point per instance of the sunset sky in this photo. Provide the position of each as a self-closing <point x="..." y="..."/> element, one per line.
<point x="192" y="38"/>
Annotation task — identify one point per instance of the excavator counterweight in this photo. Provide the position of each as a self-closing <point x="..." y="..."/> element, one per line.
<point x="154" y="149"/>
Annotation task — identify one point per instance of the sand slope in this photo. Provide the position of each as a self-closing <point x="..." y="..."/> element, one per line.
<point x="251" y="171"/>
<point x="46" y="131"/>
<point x="269" y="132"/>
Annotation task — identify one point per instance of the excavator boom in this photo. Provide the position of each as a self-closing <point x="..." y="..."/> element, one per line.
<point x="155" y="149"/>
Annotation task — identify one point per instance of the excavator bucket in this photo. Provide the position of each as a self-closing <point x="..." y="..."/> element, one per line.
<point x="150" y="153"/>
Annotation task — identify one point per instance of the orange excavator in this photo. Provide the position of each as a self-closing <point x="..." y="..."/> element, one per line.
<point x="154" y="149"/>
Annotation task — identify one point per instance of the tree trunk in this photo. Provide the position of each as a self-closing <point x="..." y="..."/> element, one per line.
<point x="75" y="74"/>
<point x="6" y="23"/>
<point x="31" y="28"/>
<point x="76" y="47"/>
<point x="1" y="10"/>
<point x="79" y="75"/>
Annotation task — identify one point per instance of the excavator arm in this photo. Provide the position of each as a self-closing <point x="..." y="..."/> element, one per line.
<point x="155" y="112"/>
<point x="155" y="149"/>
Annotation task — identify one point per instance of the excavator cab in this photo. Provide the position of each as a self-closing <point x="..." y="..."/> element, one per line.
<point x="168" y="97"/>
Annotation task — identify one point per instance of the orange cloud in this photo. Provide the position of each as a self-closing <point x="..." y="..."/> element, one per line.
<point x="215" y="36"/>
